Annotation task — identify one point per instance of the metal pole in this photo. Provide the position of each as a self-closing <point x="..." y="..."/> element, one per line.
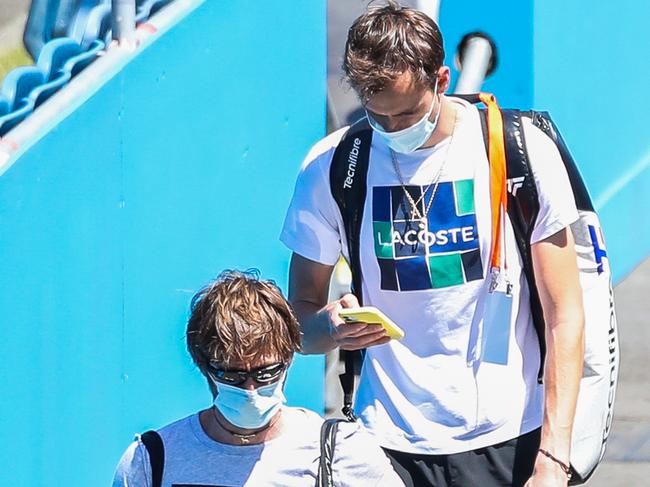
<point x="429" y="7"/>
<point x="332" y="112"/>
<point x="476" y="58"/>
<point x="123" y="20"/>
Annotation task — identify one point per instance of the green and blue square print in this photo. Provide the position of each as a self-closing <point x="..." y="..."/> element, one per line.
<point x="438" y="251"/>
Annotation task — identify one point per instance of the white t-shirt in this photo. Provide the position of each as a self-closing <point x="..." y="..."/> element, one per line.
<point x="193" y="458"/>
<point x="447" y="386"/>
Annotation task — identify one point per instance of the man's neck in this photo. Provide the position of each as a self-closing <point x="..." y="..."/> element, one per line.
<point x="446" y="123"/>
<point x="217" y="428"/>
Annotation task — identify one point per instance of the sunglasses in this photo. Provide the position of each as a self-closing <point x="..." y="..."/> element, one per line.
<point x="262" y="375"/>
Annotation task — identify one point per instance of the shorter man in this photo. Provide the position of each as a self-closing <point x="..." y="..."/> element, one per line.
<point x="242" y="334"/>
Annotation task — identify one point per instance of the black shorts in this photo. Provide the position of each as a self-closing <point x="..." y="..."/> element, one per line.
<point x="502" y="465"/>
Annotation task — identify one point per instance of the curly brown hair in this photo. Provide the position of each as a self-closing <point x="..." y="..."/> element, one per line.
<point x="387" y="41"/>
<point x="239" y="318"/>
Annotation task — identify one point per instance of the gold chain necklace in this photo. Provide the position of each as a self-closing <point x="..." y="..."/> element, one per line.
<point x="414" y="204"/>
<point x="244" y="439"/>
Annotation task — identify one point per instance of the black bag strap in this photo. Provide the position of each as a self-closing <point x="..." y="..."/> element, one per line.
<point x="327" y="444"/>
<point x="156" y="449"/>
<point x="523" y="207"/>
<point x="542" y="120"/>
<point x="348" y="184"/>
<point x="523" y="197"/>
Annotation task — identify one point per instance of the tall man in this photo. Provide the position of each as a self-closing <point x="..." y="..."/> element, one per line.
<point x="449" y="408"/>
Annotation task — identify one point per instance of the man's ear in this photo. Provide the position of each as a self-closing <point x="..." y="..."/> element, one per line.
<point x="444" y="79"/>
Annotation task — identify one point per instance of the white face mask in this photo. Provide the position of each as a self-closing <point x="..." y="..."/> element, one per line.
<point x="249" y="409"/>
<point x="411" y="138"/>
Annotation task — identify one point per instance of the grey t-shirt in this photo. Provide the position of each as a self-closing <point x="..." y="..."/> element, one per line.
<point x="193" y="458"/>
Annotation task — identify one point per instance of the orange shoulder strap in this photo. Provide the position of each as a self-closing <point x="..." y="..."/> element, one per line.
<point x="497" y="157"/>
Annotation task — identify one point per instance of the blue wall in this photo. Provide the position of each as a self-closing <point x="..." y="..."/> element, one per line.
<point x="179" y="166"/>
<point x="592" y="73"/>
<point x="585" y="63"/>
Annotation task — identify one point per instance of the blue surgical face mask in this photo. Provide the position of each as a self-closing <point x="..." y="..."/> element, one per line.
<point x="249" y="409"/>
<point x="411" y="138"/>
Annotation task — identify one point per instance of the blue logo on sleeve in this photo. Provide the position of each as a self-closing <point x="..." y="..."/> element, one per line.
<point x="600" y="251"/>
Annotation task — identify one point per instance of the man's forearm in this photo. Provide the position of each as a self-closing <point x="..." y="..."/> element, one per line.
<point x="563" y="370"/>
<point x="308" y="294"/>
<point x="314" y="325"/>
<point x="322" y="327"/>
<point x="557" y="279"/>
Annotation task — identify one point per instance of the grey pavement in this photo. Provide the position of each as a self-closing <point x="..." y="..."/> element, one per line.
<point x="13" y="14"/>
<point x="9" y="9"/>
<point x="340" y="14"/>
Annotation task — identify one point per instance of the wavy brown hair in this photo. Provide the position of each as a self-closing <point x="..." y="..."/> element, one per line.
<point x="240" y="318"/>
<point x="387" y="41"/>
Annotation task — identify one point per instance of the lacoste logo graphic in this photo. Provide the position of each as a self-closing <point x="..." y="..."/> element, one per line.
<point x="515" y="184"/>
<point x="439" y="250"/>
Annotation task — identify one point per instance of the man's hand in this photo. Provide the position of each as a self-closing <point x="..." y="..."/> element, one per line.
<point x="352" y="336"/>
<point x="547" y="473"/>
<point x="322" y="327"/>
